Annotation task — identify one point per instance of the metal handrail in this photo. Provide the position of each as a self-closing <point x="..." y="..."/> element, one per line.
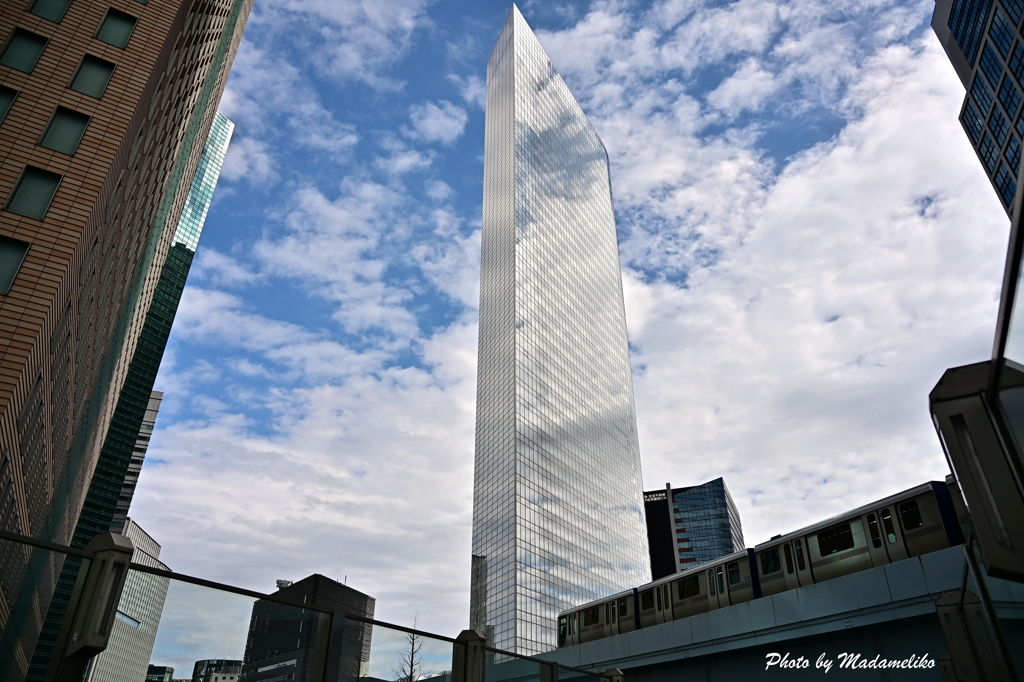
<point x="202" y="582"/>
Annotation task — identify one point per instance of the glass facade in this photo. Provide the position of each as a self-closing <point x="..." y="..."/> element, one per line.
<point x="987" y="32"/>
<point x="112" y="484"/>
<point x="706" y="523"/>
<point x="558" y="513"/>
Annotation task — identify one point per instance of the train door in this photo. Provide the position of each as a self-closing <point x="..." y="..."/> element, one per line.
<point x="789" y="566"/>
<point x="663" y="603"/>
<point x="803" y="562"/>
<point x="876" y="543"/>
<point x="718" y="596"/>
<point x="892" y="535"/>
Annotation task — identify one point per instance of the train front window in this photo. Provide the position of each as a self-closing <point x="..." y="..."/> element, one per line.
<point x="647" y="600"/>
<point x="770" y="562"/>
<point x="734" y="573"/>
<point x="890" y="532"/>
<point x="835" y="539"/>
<point x="799" y="545"/>
<point x="789" y="557"/>
<point x="910" y="515"/>
<point x="711" y="582"/>
<point x="876" y="537"/>
<point x="562" y="626"/>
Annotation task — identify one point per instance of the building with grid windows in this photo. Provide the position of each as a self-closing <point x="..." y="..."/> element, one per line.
<point x="689" y="526"/>
<point x="557" y="510"/>
<point x="104" y="110"/>
<point x="126" y="658"/>
<point x="982" y="39"/>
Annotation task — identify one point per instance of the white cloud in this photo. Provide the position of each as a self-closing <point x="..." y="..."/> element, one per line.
<point x="442" y="122"/>
<point x="746" y="89"/>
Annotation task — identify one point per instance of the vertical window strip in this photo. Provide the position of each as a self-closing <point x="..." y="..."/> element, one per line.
<point x="1009" y="97"/>
<point x="989" y="153"/>
<point x="991" y="65"/>
<point x="982" y="95"/>
<point x="1006" y="184"/>
<point x="1015" y="8"/>
<point x="1016" y="62"/>
<point x="973" y="123"/>
<point x="1002" y="32"/>
<point x="967" y="24"/>
<point x="999" y="126"/>
<point x="1013" y="154"/>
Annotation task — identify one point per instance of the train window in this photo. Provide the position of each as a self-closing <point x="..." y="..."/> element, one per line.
<point x="562" y="627"/>
<point x="721" y="580"/>
<point x="575" y="622"/>
<point x="789" y="557"/>
<point x="890" y="532"/>
<point x="608" y="612"/>
<point x="835" y="539"/>
<point x="591" y="616"/>
<point x="876" y="537"/>
<point x="614" y="619"/>
<point x="770" y="562"/>
<point x="647" y="600"/>
<point x="711" y="582"/>
<point x="910" y="515"/>
<point x="623" y="608"/>
<point x="734" y="573"/>
<point x="799" y="546"/>
<point x="659" y="598"/>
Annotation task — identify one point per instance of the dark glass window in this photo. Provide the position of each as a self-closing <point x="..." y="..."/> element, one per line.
<point x="659" y="599"/>
<point x="910" y="515"/>
<point x="647" y="600"/>
<point x="799" y="545"/>
<point x="65" y="131"/>
<point x="50" y="9"/>
<point x="1009" y="97"/>
<point x="876" y="537"/>
<point x="999" y="126"/>
<point x="982" y="94"/>
<point x="1016" y="62"/>
<point x="33" y="192"/>
<point x="988" y="152"/>
<point x="591" y="616"/>
<point x="967" y="23"/>
<point x="1001" y="32"/>
<point x="789" y="558"/>
<point x="92" y="76"/>
<point x="1014" y="8"/>
<point x="12" y="254"/>
<point x="23" y="50"/>
<point x="688" y="587"/>
<point x="561" y="628"/>
<point x="770" y="562"/>
<point x="623" y="608"/>
<point x="734" y="573"/>
<point x="721" y="580"/>
<point x="991" y="65"/>
<point x="614" y="614"/>
<point x="1013" y="154"/>
<point x="7" y="97"/>
<point x="835" y="539"/>
<point x="1006" y="183"/>
<point x="711" y="582"/>
<point x="973" y="123"/>
<point x="116" y="28"/>
<point x="890" y="531"/>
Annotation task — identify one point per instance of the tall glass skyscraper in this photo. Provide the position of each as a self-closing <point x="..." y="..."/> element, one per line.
<point x="557" y="512"/>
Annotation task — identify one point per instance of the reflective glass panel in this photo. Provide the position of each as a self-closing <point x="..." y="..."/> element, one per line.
<point x="23" y="50"/>
<point x="33" y="193"/>
<point x="92" y="77"/>
<point x="65" y="131"/>
<point x="50" y="9"/>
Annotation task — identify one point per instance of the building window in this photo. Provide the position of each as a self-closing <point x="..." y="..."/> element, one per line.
<point x="1006" y="183"/>
<point x="33" y="193"/>
<point x="999" y="126"/>
<point x="1015" y="8"/>
<point x="1013" y="154"/>
<point x="972" y="122"/>
<point x="1009" y="97"/>
<point x="1001" y="32"/>
<point x="12" y="254"/>
<point x="50" y="9"/>
<point x="981" y="94"/>
<point x="65" y="131"/>
<point x="116" y="28"/>
<point x="92" y="76"/>
<point x="7" y="96"/>
<point x="1016" y="62"/>
<point x="967" y="23"/>
<point x="991" y="66"/>
<point x="23" y="50"/>
<point x="988" y="152"/>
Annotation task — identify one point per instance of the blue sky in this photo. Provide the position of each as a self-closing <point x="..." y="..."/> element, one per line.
<point x="807" y="242"/>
